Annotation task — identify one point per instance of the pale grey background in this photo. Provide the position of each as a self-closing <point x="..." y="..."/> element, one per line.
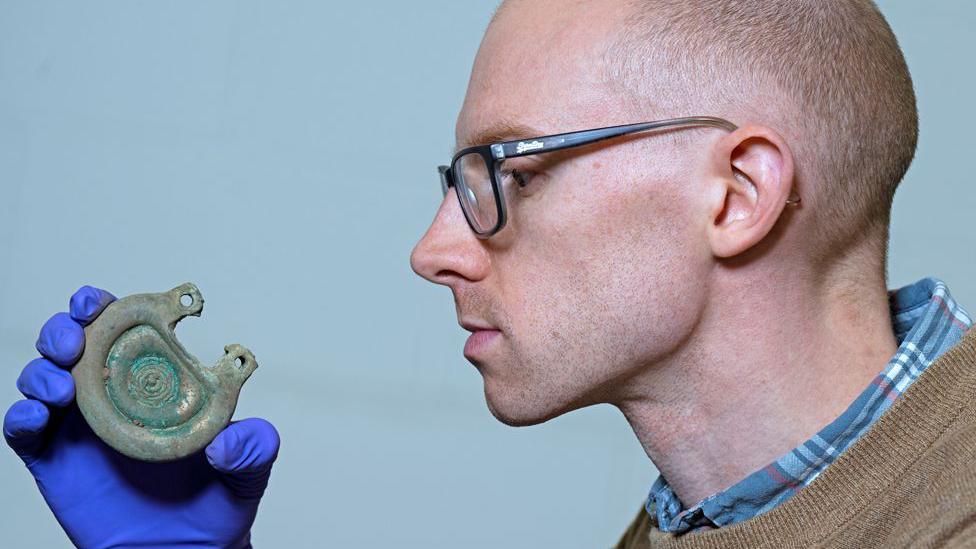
<point x="281" y="155"/>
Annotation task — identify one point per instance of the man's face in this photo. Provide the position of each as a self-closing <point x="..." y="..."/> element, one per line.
<point x="597" y="274"/>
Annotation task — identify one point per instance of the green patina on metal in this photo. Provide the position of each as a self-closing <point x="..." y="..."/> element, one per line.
<point x="155" y="381"/>
<point x="142" y="392"/>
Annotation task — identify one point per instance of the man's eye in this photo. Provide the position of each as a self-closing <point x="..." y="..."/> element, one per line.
<point x="519" y="177"/>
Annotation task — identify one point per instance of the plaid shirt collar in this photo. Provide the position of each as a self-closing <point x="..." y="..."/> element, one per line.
<point x="926" y="321"/>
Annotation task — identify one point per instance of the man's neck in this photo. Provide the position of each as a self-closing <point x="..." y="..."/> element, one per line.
<point x="767" y="368"/>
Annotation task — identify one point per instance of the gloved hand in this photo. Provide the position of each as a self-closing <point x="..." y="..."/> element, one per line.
<point x="105" y="499"/>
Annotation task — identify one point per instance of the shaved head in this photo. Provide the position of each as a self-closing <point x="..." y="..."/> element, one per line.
<point x="828" y="75"/>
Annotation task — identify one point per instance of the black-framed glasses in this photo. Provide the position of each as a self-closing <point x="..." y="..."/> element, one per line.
<point x="476" y="174"/>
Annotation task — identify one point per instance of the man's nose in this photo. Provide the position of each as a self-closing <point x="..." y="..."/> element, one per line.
<point x="450" y="251"/>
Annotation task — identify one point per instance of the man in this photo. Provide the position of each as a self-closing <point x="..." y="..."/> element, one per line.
<point x="717" y="273"/>
<point x="721" y="278"/>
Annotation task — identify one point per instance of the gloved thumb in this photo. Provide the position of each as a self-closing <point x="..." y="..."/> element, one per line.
<point x="244" y="452"/>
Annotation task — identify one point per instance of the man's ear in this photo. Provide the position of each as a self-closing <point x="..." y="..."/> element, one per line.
<point x="753" y="170"/>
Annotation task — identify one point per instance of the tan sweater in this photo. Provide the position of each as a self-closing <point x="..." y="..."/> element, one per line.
<point x="909" y="481"/>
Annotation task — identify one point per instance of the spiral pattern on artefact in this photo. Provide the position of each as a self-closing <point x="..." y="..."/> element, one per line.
<point x="146" y="382"/>
<point x="153" y="381"/>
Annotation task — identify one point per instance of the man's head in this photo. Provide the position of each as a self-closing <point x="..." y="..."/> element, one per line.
<point x="616" y="255"/>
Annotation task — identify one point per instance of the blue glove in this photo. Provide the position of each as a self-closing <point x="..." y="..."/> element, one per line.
<point x="105" y="499"/>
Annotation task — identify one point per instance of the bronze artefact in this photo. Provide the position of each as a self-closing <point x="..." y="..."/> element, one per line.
<point x="142" y="392"/>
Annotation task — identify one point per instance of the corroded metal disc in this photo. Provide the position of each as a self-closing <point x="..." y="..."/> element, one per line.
<point x="142" y="392"/>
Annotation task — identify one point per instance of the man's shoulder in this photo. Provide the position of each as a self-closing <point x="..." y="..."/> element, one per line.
<point x="949" y="466"/>
<point x="933" y="504"/>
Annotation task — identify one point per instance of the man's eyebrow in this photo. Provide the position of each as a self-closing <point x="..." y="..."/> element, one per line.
<point x="501" y="131"/>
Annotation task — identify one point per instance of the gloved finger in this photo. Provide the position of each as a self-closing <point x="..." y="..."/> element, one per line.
<point x="89" y="302"/>
<point x="245" y="452"/>
<point x="45" y="381"/>
<point x="62" y="340"/>
<point x="23" y="428"/>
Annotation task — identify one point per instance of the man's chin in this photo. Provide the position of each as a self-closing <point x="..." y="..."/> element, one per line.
<point x="516" y="411"/>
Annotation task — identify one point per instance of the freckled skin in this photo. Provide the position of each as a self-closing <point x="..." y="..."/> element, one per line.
<point x="583" y="279"/>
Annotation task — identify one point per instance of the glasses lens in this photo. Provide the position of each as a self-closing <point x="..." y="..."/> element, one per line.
<point x="474" y="188"/>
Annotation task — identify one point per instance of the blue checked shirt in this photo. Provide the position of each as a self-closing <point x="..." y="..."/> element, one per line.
<point x="926" y="321"/>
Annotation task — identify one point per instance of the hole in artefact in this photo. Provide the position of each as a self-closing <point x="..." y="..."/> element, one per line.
<point x="186" y="300"/>
<point x="240" y="362"/>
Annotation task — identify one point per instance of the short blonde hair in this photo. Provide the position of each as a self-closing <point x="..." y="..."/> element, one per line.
<point x="828" y="74"/>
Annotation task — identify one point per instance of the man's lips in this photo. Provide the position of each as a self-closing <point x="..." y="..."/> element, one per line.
<point x="479" y="341"/>
<point x="482" y="335"/>
<point x="476" y="325"/>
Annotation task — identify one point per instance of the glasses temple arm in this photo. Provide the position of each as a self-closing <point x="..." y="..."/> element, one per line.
<point x="561" y="141"/>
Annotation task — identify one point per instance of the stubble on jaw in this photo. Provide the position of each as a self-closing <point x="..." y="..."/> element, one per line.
<point x="591" y="297"/>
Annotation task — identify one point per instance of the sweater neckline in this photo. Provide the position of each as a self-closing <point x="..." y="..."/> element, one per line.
<point x="899" y="437"/>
